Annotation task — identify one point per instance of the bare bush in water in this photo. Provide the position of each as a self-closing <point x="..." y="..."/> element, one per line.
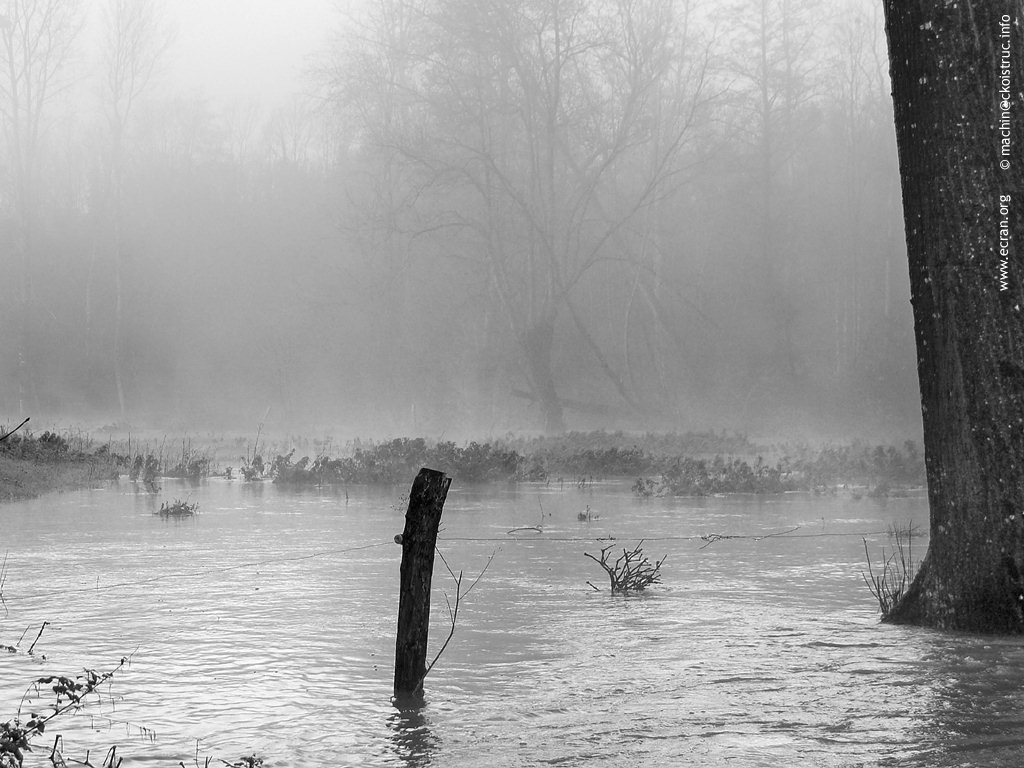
<point x="632" y="571"/>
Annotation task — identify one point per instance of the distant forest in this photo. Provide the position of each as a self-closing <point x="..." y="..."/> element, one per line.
<point x="484" y="216"/>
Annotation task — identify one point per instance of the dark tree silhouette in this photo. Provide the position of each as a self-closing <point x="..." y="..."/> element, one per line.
<point x="961" y="203"/>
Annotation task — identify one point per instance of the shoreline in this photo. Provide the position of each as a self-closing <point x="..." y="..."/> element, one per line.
<point x="30" y="478"/>
<point x="691" y="464"/>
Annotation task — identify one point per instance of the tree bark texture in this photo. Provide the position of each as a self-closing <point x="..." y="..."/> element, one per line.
<point x="422" y="518"/>
<point x="947" y="62"/>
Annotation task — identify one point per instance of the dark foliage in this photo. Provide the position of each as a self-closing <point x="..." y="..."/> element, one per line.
<point x="396" y="460"/>
<point x="663" y="464"/>
<point x="856" y="462"/>
<point x="49" y="446"/>
<point x="178" y="508"/>
<point x="886" y="469"/>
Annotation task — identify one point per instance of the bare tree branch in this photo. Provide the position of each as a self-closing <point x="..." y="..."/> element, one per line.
<point x="453" y="611"/>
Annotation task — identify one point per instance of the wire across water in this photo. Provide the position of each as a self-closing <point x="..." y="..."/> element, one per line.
<point x="266" y="624"/>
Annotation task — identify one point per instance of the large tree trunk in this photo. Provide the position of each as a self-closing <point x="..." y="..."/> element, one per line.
<point x="946" y="61"/>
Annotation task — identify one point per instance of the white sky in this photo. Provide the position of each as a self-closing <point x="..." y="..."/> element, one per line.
<point x="241" y="50"/>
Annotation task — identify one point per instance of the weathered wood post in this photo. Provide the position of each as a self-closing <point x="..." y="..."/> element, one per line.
<point x="426" y="501"/>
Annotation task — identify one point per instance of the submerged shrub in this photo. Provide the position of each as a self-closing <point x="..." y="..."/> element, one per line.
<point x="178" y="508"/>
<point x="699" y="477"/>
<point x="397" y="460"/>
<point x="886" y="469"/>
<point x="254" y="468"/>
<point x="632" y="571"/>
<point x="856" y="463"/>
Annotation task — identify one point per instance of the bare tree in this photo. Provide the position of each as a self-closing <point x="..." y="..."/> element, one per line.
<point x="862" y="117"/>
<point x="526" y="134"/>
<point x="135" y="37"/>
<point x="370" y="77"/>
<point x="36" y="43"/>
<point x="772" y="63"/>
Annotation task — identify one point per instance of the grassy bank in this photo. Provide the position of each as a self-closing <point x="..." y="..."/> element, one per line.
<point x="34" y="465"/>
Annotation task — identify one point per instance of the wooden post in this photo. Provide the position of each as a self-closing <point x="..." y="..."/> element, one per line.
<point x="426" y="501"/>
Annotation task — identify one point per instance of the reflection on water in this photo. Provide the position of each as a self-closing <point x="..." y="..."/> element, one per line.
<point x="976" y="712"/>
<point x="412" y="740"/>
<point x="266" y="624"/>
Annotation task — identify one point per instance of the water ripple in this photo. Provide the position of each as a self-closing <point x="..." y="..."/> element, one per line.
<point x="245" y="636"/>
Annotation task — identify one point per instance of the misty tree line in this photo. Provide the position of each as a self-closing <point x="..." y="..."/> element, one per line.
<point x="485" y="215"/>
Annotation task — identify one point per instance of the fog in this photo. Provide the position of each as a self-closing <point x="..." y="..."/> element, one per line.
<point x="452" y="217"/>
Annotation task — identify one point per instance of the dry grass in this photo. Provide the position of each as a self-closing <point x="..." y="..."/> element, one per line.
<point x="26" y="479"/>
<point x="891" y="581"/>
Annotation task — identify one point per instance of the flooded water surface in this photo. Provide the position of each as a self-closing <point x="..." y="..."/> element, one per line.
<point x="265" y="624"/>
